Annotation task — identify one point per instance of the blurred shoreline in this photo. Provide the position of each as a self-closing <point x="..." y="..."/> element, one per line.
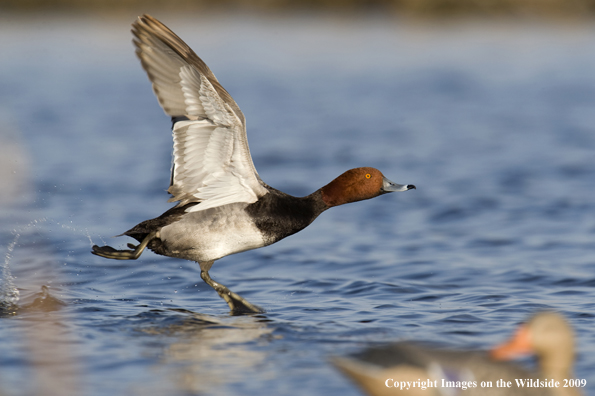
<point x="548" y="9"/>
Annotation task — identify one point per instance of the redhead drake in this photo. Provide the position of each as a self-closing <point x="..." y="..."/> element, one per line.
<point x="223" y="207"/>
<point x="546" y="335"/>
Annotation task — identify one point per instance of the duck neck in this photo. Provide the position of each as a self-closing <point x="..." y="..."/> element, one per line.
<point x="559" y="367"/>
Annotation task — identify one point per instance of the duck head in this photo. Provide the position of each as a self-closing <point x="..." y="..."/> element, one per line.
<point x="358" y="184"/>
<point x="549" y="337"/>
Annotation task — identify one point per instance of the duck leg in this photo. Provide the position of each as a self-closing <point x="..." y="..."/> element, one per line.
<point x="237" y="303"/>
<point x="111" y="253"/>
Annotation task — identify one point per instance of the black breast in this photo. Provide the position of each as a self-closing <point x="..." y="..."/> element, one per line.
<point x="278" y="215"/>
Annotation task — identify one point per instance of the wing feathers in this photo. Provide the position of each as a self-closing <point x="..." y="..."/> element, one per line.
<point x="156" y="35"/>
<point x="211" y="158"/>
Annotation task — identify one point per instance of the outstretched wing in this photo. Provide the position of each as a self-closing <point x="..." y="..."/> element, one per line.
<point x="212" y="163"/>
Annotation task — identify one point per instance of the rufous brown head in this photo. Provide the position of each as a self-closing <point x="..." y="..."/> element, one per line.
<point x="358" y="184"/>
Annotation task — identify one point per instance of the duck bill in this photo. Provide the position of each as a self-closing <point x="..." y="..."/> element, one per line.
<point x="390" y="186"/>
<point x="518" y="345"/>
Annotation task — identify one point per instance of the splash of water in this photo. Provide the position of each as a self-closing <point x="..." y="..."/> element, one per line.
<point x="9" y="294"/>
<point x="83" y="231"/>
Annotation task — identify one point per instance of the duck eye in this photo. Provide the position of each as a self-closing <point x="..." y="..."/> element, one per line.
<point x="368" y="176"/>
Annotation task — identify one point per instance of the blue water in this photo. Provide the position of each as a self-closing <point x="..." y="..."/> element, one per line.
<point x="493" y="122"/>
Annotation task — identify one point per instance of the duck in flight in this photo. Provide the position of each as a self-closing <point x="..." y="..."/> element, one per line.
<point x="223" y="207"/>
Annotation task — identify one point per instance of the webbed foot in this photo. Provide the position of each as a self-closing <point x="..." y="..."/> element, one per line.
<point x="111" y="253"/>
<point x="236" y="303"/>
<point x="239" y="304"/>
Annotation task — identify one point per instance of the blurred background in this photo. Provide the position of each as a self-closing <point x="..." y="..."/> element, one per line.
<point x="487" y="106"/>
<point x="408" y="8"/>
